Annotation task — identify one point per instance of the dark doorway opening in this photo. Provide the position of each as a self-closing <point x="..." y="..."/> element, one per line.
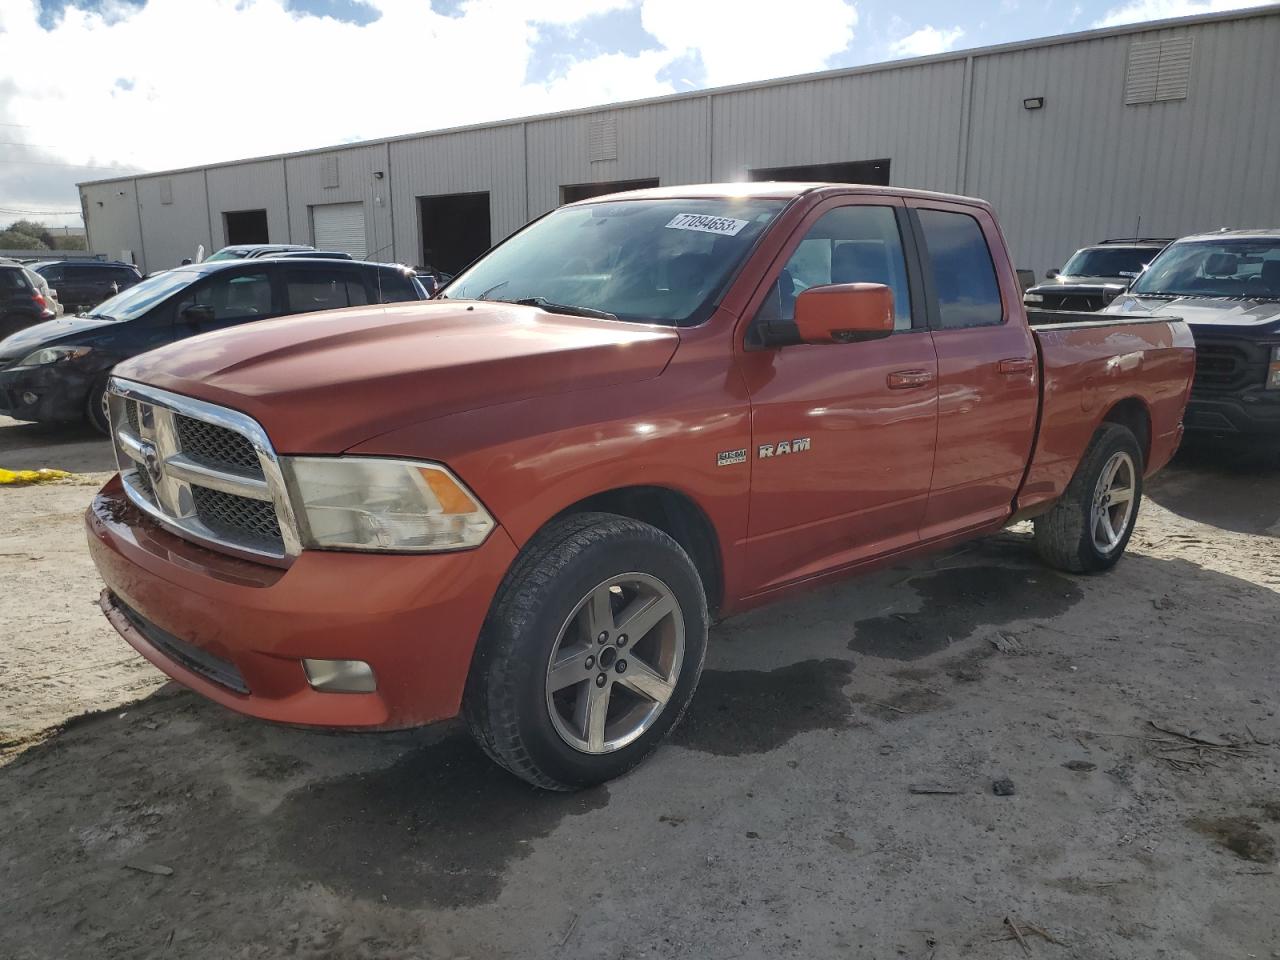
<point x="455" y="230"/>
<point x="246" y="226"/>
<point x="574" y="192"/>
<point x="874" y="172"/>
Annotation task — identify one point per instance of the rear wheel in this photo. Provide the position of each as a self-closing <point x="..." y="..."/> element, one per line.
<point x="590" y="654"/>
<point x="1089" y="527"/>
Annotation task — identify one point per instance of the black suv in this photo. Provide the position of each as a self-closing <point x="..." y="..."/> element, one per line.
<point x="57" y="371"/>
<point x="1094" y="276"/>
<point x="83" y="284"/>
<point x="22" y="303"/>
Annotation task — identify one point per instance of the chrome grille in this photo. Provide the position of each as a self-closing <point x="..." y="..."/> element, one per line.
<point x="217" y="446"/>
<point x="238" y="517"/>
<point x="207" y="473"/>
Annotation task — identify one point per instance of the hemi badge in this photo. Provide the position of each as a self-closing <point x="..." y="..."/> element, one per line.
<point x="727" y="458"/>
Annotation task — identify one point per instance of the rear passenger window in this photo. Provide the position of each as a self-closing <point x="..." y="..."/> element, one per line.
<point x="394" y="287"/>
<point x="311" y="290"/>
<point x="964" y="275"/>
<point x="853" y="244"/>
<point x="12" y="280"/>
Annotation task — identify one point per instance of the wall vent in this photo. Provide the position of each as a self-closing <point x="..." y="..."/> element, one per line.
<point x="328" y="172"/>
<point x="1158" y="70"/>
<point x="602" y="139"/>
<point x="166" y="191"/>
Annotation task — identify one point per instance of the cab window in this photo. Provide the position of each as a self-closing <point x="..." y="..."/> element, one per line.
<point x="964" y="275"/>
<point x="853" y="244"/>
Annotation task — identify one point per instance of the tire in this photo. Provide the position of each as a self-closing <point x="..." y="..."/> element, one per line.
<point x="1069" y="537"/>
<point x="95" y="407"/>
<point x="544" y="609"/>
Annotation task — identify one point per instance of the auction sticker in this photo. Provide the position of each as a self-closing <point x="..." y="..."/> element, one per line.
<point x="725" y="226"/>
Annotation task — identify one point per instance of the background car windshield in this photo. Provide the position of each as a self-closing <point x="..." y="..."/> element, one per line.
<point x="650" y="260"/>
<point x="141" y="297"/>
<point x="1109" y="262"/>
<point x="236" y="254"/>
<point x="1248" y="269"/>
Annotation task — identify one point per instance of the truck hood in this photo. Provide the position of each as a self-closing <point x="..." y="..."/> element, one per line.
<point x="1065" y="284"/>
<point x="325" y="382"/>
<point x="1204" y="311"/>
<point x="62" y="330"/>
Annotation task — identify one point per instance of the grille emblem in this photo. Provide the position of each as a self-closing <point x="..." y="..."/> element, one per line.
<point x="151" y="461"/>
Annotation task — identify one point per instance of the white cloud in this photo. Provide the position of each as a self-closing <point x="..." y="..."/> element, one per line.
<point x="185" y="82"/>
<point x="736" y="38"/>
<point x="926" y="40"/>
<point x="1140" y="11"/>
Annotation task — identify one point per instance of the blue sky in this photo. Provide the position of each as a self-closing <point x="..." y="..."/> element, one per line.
<point x="95" y="88"/>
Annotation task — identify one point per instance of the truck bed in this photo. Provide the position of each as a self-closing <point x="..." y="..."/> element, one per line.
<point x="1137" y="369"/>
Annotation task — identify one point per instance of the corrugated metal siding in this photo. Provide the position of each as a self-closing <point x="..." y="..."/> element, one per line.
<point x="1088" y="165"/>
<point x="1084" y="167"/>
<point x="173" y="230"/>
<point x="111" y="219"/>
<point x="667" y="141"/>
<point x="481" y="160"/>
<point x="910" y="115"/>
<point x="354" y="170"/>
<point x="259" y="185"/>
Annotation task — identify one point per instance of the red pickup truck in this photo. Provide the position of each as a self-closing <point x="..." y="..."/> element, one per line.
<point x="525" y="500"/>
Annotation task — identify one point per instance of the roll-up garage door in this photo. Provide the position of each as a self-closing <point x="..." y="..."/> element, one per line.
<point x="339" y="226"/>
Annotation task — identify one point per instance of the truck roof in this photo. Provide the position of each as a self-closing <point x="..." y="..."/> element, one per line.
<point x="1267" y="233"/>
<point x="773" y="190"/>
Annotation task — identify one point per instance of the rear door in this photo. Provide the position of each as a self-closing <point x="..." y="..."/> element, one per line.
<point x="843" y="434"/>
<point x="988" y="387"/>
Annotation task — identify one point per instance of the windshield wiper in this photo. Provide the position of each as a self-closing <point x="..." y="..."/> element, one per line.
<point x="567" y="309"/>
<point x="485" y="295"/>
<point x="97" y="316"/>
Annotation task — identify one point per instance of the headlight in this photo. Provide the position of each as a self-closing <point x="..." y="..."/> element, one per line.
<point x="366" y="503"/>
<point x="47" y="355"/>
<point x="1273" y="371"/>
<point x="1032" y="298"/>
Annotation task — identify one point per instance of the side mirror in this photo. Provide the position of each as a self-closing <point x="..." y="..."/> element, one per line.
<point x="1051" y="274"/>
<point x="197" y="314"/>
<point x="844" y="313"/>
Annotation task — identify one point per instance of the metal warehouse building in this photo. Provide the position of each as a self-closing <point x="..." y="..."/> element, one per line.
<point x="1162" y="129"/>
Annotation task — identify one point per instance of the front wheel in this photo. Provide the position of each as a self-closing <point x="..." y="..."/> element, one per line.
<point x="1089" y="527"/>
<point x="590" y="654"/>
<point x="96" y="407"/>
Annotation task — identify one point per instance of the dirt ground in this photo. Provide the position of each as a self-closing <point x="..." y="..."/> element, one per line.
<point x="780" y="823"/>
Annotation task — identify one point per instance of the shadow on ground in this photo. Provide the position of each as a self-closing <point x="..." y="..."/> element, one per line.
<point x="1225" y="487"/>
<point x="77" y="448"/>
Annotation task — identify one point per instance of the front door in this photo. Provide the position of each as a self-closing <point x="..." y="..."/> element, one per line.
<point x="988" y="373"/>
<point x="843" y="434"/>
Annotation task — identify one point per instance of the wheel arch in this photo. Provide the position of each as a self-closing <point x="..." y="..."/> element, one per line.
<point x="677" y="515"/>
<point x="1133" y="413"/>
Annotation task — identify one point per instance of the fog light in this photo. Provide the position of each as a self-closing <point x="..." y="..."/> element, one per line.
<point x="340" y="676"/>
<point x="30" y="398"/>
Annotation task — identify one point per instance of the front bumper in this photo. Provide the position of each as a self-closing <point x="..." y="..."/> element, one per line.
<point x="61" y="392"/>
<point x="1251" y="415"/>
<point x="236" y="631"/>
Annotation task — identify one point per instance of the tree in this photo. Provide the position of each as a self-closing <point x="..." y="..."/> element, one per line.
<point x="16" y="240"/>
<point x="33" y="229"/>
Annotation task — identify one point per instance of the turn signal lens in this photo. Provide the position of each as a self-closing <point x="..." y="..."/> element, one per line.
<point x="367" y="503"/>
<point x="1273" y="371"/>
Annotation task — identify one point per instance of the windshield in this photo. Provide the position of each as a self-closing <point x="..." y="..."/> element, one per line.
<point x="141" y="297"/>
<point x="228" y="253"/>
<point x="656" y="261"/>
<point x="1109" y="261"/>
<point x="1244" y="268"/>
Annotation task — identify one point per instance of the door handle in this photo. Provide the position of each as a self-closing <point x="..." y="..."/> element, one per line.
<point x="1014" y="365"/>
<point x="909" y="379"/>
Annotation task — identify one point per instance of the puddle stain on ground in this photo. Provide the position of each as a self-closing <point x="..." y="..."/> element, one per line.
<point x="905" y="704"/>
<point x="736" y="712"/>
<point x="1240" y="835"/>
<point x="957" y="602"/>
<point x="438" y="826"/>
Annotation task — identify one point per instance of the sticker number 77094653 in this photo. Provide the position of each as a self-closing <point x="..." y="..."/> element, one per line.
<point x="725" y="226"/>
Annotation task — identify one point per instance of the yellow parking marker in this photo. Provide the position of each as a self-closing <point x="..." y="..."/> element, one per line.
<point x="23" y="477"/>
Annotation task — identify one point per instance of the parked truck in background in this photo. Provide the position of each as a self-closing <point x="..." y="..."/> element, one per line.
<point x="526" y="500"/>
<point x="1226" y="285"/>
